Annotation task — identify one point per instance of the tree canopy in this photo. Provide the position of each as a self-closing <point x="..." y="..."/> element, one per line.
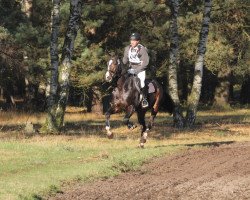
<point x="105" y="26"/>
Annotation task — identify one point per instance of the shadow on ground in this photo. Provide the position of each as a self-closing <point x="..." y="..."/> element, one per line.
<point x="205" y="144"/>
<point x="163" y="126"/>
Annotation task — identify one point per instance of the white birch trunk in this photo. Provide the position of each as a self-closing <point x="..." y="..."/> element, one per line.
<point x="194" y="96"/>
<point x="174" y="63"/>
<point x="65" y="67"/>
<point x="51" y="125"/>
<point x="27" y="7"/>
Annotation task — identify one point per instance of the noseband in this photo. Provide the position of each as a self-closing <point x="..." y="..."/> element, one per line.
<point x="117" y="72"/>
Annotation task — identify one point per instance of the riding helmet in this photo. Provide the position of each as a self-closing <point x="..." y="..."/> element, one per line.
<point x="135" y="36"/>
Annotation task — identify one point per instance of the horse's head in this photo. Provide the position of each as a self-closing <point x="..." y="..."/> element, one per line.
<point x="114" y="68"/>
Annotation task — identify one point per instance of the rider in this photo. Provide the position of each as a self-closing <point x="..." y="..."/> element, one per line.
<point x="137" y="56"/>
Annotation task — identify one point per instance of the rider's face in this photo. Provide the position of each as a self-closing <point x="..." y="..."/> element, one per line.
<point x="134" y="43"/>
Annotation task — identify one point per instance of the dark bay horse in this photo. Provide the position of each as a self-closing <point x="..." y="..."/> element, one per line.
<point x="126" y="97"/>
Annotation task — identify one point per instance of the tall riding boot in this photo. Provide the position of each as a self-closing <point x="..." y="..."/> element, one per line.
<point x="144" y="92"/>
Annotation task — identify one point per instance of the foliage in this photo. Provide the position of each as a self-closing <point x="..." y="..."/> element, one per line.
<point x="11" y="68"/>
<point x="106" y="25"/>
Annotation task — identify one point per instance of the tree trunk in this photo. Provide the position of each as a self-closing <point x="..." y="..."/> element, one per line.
<point x="51" y="125"/>
<point x="222" y="91"/>
<point x="97" y="106"/>
<point x="94" y="100"/>
<point x="65" y="67"/>
<point x="194" y="96"/>
<point x="245" y="91"/>
<point x="9" y="99"/>
<point x="1" y="93"/>
<point x="174" y="62"/>
<point x="27" y="7"/>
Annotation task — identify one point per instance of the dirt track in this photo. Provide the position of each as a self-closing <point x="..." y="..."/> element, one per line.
<point x="211" y="173"/>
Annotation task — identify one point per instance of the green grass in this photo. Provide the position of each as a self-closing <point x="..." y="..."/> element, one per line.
<point x="31" y="169"/>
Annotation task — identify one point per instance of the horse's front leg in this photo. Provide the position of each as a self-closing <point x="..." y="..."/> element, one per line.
<point x="141" y="119"/>
<point x="107" y="116"/>
<point x="129" y="112"/>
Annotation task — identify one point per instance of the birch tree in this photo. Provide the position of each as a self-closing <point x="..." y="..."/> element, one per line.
<point x="59" y="82"/>
<point x="174" y="63"/>
<point x="65" y="67"/>
<point x="194" y="97"/>
<point x="27" y="7"/>
<point x="53" y="82"/>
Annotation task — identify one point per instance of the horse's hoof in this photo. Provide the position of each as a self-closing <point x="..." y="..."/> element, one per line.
<point x="143" y="141"/>
<point x="141" y="145"/>
<point x="110" y="135"/>
<point x="132" y="127"/>
<point x="144" y="138"/>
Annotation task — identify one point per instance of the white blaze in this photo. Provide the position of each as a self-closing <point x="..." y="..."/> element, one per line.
<point x="108" y="75"/>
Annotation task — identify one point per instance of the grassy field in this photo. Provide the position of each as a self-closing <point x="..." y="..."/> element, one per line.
<point x="33" y="166"/>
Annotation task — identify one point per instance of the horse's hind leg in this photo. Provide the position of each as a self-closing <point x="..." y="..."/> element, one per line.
<point x="141" y="119"/>
<point x="107" y="116"/>
<point x="152" y="118"/>
<point x="155" y="108"/>
<point x="129" y="112"/>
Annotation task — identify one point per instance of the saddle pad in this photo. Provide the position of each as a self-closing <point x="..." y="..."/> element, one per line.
<point x="151" y="88"/>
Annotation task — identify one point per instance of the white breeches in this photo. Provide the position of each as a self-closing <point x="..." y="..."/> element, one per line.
<point x="142" y="76"/>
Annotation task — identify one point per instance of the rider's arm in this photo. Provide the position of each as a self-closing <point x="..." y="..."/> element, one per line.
<point x="125" y="56"/>
<point x="144" y="60"/>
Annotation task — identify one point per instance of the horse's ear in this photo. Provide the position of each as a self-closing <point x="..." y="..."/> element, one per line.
<point x="118" y="53"/>
<point x="107" y="52"/>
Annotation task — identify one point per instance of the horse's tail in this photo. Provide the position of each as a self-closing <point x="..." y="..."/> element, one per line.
<point x="158" y="95"/>
<point x="162" y="99"/>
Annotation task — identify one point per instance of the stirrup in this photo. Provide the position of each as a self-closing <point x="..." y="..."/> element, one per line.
<point x="144" y="103"/>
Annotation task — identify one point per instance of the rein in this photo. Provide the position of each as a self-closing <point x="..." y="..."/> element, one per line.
<point x="117" y="72"/>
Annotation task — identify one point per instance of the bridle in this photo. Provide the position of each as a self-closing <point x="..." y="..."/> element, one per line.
<point x="117" y="72"/>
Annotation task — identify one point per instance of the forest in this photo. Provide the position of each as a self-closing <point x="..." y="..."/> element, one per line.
<point x="27" y="39"/>
<point x="54" y="97"/>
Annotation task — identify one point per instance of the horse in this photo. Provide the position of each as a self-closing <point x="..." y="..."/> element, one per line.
<point x="126" y="97"/>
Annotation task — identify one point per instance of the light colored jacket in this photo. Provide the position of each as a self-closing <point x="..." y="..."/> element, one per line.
<point x="137" y="57"/>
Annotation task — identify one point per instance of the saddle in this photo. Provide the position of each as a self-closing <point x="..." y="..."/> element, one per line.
<point x="151" y="88"/>
<point x="149" y="83"/>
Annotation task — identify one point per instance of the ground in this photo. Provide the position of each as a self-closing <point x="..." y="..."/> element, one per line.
<point x="220" y="171"/>
<point x="37" y="166"/>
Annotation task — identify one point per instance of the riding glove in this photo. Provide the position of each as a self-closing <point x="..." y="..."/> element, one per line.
<point x="132" y="71"/>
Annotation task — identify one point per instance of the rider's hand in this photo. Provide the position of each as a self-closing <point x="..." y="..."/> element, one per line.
<point x="132" y="71"/>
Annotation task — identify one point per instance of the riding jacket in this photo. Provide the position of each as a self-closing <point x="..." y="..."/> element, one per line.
<point x="137" y="57"/>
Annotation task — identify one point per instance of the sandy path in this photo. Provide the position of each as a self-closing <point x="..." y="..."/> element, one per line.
<point x="210" y="173"/>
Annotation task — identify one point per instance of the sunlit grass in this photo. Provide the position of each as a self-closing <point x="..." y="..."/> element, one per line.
<point x="34" y="166"/>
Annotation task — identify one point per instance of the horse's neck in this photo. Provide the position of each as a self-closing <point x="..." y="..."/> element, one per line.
<point x="124" y="81"/>
<point x="121" y="81"/>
